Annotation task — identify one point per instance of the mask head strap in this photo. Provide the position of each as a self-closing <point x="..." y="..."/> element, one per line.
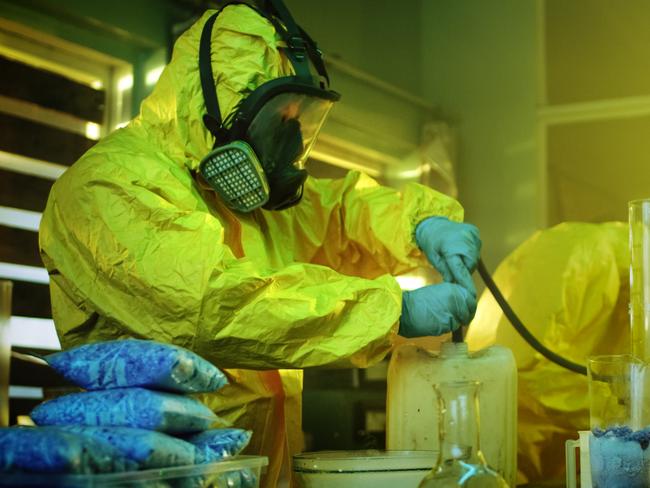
<point x="300" y="47"/>
<point x="212" y="119"/>
<point x="316" y="57"/>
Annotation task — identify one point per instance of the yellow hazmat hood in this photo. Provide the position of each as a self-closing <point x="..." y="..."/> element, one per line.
<point x="245" y="54"/>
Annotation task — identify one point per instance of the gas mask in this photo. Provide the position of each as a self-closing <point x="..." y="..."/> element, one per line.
<point x="259" y="161"/>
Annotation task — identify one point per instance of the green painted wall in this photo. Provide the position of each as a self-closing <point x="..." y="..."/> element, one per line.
<point x="477" y="62"/>
<point x="479" y="65"/>
<point x="381" y="37"/>
<point x="142" y="23"/>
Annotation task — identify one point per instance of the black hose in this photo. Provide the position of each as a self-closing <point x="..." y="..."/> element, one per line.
<point x="523" y="331"/>
<point x="457" y="335"/>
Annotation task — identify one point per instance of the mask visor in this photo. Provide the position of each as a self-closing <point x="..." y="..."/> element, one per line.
<point x="284" y="130"/>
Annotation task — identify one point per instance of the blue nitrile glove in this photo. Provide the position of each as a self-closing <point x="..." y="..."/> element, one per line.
<point x="435" y="309"/>
<point x="453" y="248"/>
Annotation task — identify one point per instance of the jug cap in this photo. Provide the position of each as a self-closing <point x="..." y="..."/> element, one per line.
<point x="450" y="349"/>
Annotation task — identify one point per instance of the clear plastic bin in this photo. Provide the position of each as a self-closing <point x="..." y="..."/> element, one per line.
<point x="236" y="472"/>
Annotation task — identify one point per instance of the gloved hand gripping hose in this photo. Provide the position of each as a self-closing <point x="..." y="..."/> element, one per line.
<point x="519" y="326"/>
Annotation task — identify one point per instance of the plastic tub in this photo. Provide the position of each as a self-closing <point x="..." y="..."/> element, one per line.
<point x="224" y="474"/>
<point x="362" y="469"/>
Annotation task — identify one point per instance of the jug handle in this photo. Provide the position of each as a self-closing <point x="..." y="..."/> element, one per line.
<point x="570" y="447"/>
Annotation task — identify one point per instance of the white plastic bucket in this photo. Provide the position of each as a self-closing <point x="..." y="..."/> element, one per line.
<point x="362" y="469"/>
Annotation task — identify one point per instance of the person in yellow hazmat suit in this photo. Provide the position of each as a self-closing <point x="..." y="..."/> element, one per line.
<point x="569" y="285"/>
<point x="197" y="225"/>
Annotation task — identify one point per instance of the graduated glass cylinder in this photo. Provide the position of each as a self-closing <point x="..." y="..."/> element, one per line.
<point x="460" y="460"/>
<point x="616" y="391"/>
<point x="5" y="350"/>
<point x="639" y="222"/>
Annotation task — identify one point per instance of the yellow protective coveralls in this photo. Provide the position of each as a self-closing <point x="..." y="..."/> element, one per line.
<point x="137" y="247"/>
<point x="570" y="287"/>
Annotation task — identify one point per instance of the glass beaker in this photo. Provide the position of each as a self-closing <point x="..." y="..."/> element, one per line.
<point x="460" y="460"/>
<point x="5" y="350"/>
<point x="618" y="408"/>
<point x="639" y="223"/>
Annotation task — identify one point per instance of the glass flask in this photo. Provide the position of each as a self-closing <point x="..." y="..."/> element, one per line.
<point x="460" y="460"/>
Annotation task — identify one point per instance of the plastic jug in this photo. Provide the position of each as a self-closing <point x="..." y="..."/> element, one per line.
<point x="412" y="409"/>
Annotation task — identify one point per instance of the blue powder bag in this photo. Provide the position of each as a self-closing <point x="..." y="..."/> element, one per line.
<point x="127" y="407"/>
<point x="216" y="444"/>
<point x="134" y="362"/>
<point x="51" y="450"/>
<point x="147" y="448"/>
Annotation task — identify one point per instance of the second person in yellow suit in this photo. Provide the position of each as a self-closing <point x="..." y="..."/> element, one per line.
<point x="138" y="244"/>
<point x="570" y="286"/>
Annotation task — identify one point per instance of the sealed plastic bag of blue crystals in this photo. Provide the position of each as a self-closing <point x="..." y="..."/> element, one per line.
<point x="147" y="448"/>
<point x="133" y="362"/>
<point x="216" y="444"/>
<point x="127" y="407"/>
<point x="51" y="450"/>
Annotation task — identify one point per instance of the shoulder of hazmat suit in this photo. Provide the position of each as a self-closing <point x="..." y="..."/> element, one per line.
<point x="135" y="247"/>
<point x="569" y="285"/>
